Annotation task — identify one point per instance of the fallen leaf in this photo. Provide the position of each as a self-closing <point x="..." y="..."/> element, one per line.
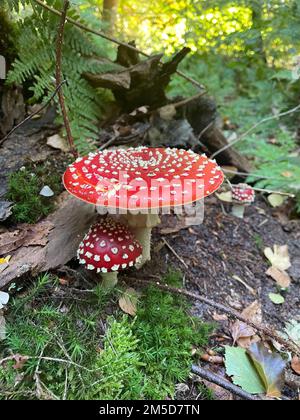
<point x="225" y="196"/>
<point x="5" y="260"/>
<point x="128" y="302"/>
<point x="276" y="200"/>
<point x="278" y="257"/>
<point x="276" y="298"/>
<point x="58" y="142"/>
<point x="296" y="365"/>
<point x="241" y="330"/>
<point x="292" y="331"/>
<point x="282" y="279"/>
<point x="253" y="312"/>
<point x="219" y="317"/>
<point x="270" y="367"/>
<point x="243" y="334"/>
<point x="243" y="373"/>
<point x="287" y="174"/>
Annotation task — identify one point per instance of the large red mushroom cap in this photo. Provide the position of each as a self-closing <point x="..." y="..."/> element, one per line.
<point x="143" y="178"/>
<point x="243" y="193"/>
<point x="109" y="246"/>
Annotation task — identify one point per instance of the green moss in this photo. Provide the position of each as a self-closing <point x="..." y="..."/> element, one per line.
<point x="24" y="189"/>
<point x="141" y="358"/>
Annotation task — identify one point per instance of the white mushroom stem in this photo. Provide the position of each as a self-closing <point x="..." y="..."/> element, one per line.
<point x="141" y="226"/>
<point x="238" y="210"/>
<point x="109" y="279"/>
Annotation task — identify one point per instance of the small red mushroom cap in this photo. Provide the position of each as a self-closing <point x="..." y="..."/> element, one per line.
<point x="243" y="193"/>
<point x="109" y="246"/>
<point x="143" y="178"/>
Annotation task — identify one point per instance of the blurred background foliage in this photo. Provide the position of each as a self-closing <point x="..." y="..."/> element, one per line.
<point x="245" y="52"/>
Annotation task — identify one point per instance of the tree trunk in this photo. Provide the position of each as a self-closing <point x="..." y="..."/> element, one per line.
<point x="109" y="14"/>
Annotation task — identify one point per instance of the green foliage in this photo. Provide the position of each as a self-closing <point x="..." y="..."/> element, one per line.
<point x="24" y="189"/>
<point x="258" y="91"/>
<point x="139" y="358"/>
<point x="36" y="65"/>
<point x="166" y="335"/>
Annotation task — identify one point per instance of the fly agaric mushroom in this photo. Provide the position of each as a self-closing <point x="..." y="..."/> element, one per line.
<point x="108" y="248"/>
<point x="242" y="196"/>
<point x="141" y="181"/>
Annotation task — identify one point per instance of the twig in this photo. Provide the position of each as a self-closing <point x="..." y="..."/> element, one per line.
<point x="188" y="100"/>
<point x="33" y="114"/>
<point x="175" y="253"/>
<point x="109" y="142"/>
<point x="49" y="359"/>
<point x="113" y="40"/>
<point x="263" y="121"/>
<point x="205" y="129"/>
<point x="66" y="386"/>
<point x="246" y="174"/>
<point x="58" y="72"/>
<point x="265" y="330"/>
<point x="274" y="192"/>
<point x="218" y="380"/>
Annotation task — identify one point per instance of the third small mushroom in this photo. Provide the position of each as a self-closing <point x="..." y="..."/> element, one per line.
<point x="136" y="184"/>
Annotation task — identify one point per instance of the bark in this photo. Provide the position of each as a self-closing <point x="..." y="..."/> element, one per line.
<point x="109" y="14"/>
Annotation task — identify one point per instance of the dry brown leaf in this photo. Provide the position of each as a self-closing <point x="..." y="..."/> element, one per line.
<point x="281" y="277"/>
<point x="243" y="334"/>
<point x="219" y="317"/>
<point x="253" y="312"/>
<point x="128" y="302"/>
<point x="296" y="365"/>
<point x="241" y="330"/>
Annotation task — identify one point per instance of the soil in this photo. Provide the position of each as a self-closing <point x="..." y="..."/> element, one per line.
<point x="225" y="246"/>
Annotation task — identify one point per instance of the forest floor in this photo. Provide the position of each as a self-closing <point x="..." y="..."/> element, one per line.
<point x="221" y="259"/>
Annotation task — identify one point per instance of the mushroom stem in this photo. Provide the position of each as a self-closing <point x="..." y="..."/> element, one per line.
<point x="238" y="210"/>
<point x="141" y="226"/>
<point x="109" y="279"/>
